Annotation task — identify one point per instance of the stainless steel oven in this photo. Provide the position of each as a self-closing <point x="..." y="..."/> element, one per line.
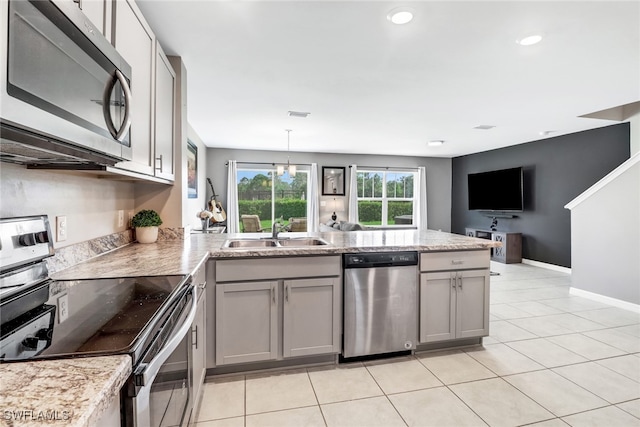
<point x="160" y="392"/>
<point x="62" y="80"/>
<point x="148" y="318"/>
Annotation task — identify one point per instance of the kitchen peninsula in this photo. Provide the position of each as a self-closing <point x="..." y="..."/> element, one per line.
<point x="183" y="257"/>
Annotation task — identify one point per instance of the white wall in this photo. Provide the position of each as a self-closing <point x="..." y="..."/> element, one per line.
<point x="90" y="203"/>
<point x="605" y="239"/>
<point x="438" y="176"/>
<point x="634" y="121"/>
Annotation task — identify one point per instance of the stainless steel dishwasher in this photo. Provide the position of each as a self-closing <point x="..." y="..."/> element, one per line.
<point x="380" y="303"/>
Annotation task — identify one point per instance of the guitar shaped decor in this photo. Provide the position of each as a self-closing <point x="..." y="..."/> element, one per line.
<point x="215" y="207"/>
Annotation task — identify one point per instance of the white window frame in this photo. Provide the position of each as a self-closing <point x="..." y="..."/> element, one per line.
<point x="273" y="170"/>
<point x="385" y="199"/>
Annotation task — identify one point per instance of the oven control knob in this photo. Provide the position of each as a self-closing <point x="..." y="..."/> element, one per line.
<point x="30" y="343"/>
<point x="42" y="237"/>
<point x="32" y="239"/>
<point x="27" y="239"/>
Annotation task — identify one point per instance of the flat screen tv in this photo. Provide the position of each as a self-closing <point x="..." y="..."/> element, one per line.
<point x="498" y="190"/>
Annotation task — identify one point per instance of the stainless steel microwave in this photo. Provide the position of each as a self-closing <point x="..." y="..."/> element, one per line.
<point x="64" y="87"/>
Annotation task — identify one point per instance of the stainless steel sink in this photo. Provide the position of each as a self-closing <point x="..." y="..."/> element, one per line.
<point x="270" y="243"/>
<point x="250" y="243"/>
<point x="302" y="241"/>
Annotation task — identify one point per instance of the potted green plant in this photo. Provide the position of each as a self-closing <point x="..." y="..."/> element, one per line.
<point x="146" y="223"/>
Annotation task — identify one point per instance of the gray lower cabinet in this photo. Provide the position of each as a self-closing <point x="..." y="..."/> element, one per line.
<point x="454" y="295"/>
<point x="454" y="304"/>
<point x="311" y="317"/>
<point x="247" y="319"/>
<point x="198" y="343"/>
<point x="246" y="322"/>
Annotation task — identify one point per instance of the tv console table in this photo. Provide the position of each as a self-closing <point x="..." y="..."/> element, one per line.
<point x="511" y="250"/>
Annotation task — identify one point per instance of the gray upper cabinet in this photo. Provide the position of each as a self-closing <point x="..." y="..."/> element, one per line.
<point x="164" y="116"/>
<point x="311" y="317"/>
<point x="246" y="322"/>
<point x="98" y="12"/>
<point x="135" y="41"/>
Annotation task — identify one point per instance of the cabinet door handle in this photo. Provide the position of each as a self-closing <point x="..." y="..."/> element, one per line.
<point x="286" y="293"/>
<point x="159" y="159"/>
<point x="194" y="337"/>
<point x="452" y="279"/>
<point x="273" y="294"/>
<point x="460" y="280"/>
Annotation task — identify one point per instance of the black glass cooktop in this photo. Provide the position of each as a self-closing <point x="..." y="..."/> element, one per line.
<point x="91" y="317"/>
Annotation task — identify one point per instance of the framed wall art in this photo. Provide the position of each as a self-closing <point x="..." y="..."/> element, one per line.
<point x="192" y="170"/>
<point x="332" y="181"/>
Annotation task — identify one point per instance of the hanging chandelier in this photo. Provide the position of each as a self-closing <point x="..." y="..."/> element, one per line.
<point x="290" y="168"/>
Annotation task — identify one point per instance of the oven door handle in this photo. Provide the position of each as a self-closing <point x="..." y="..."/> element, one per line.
<point x="148" y="373"/>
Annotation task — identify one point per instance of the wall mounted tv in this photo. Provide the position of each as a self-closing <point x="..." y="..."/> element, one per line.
<point x="498" y="190"/>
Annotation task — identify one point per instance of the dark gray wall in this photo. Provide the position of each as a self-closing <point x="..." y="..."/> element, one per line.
<point x="556" y="170"/>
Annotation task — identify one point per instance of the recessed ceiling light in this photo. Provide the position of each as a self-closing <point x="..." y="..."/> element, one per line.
<point x="484" y="127"/>
<point x="529" y="40"/>
<point x="298" y="114"/>
<point x="400" y="15"/>
<point x="435" y="143"/>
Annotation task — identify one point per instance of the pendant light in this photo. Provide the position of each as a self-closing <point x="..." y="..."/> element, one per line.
<point x="290" y="168"/>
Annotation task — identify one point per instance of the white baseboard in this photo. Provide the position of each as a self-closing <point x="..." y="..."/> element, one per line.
<point x="547" y="266"/>
<point x="605" y="299"/>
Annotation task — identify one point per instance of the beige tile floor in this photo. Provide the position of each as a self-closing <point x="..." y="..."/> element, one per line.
<point x="552" y="359"/>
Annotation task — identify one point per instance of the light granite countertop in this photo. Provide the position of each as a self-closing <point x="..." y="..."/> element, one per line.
<point x="84" y="387"/>
<point x="69" y="392"/>
<point x="183" y="256"/>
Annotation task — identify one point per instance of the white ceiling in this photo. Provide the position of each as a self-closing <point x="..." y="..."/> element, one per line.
<point x="378" y="88"/>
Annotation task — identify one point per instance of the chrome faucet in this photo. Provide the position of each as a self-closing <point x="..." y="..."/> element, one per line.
<point x="275" y="230"/>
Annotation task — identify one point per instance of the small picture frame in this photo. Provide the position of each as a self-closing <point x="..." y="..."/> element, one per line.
<point x="333" y="181"/>
<point x="192" y="170"/>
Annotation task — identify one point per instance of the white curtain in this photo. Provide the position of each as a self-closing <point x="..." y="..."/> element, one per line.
<point x="420" y="199"/>
<point x="353" y="194"/>
<point x="313" y="210"/>
<point x="232" y="198"/>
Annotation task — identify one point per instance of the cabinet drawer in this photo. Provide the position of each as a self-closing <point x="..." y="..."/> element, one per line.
<point x="276" y="268"/>
<point x="459" y="260"/>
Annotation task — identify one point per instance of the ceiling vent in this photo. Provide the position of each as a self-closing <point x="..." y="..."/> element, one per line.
<point x="484" y="127"/>
<point x="297" y="114"/>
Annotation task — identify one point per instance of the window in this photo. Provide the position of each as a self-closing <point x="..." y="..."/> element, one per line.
<point x="386" y="197"/>
<point x="264" y="193"/>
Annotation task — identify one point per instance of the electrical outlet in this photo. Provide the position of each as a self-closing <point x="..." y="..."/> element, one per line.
<point x="63" y="308"/>
<point x="61" y="228"/>
<point x="120" y="218"/>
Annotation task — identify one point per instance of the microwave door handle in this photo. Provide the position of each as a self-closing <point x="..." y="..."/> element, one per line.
<point x="106" y="106"/>
<point x="151" y="369"/>
<point x="126" y="123"/>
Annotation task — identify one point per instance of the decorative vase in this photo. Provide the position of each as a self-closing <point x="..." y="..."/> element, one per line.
<point x="146" y="234"/>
